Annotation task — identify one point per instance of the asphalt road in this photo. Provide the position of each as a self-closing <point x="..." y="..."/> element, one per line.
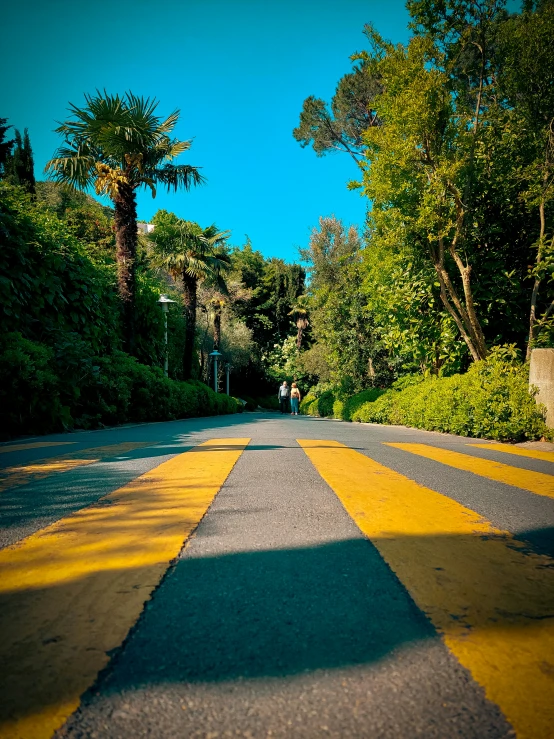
<point x="258" y="586"/>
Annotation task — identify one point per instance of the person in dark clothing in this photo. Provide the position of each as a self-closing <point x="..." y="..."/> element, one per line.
<point x="283" y="396"/>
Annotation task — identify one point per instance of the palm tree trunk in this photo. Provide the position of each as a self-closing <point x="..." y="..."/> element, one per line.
<point x="302" y="324"/>
<point x="189" y="302"/>
<point x="217" y="327"/>
<point x="126" y="238"/>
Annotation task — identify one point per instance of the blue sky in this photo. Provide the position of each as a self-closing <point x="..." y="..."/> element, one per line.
<point x="238" y="71"/>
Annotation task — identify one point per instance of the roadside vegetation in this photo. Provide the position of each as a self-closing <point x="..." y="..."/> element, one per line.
<point x="81" y="332"/>
<point x="491" y="400"/>
<point x="436" y="306"/>
<point x="426" y="316"/>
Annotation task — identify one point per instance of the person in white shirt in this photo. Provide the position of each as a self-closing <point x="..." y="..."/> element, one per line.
<point x="283" y="396"/>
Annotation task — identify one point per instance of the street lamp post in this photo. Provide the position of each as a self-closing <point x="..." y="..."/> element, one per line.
<point x="215" y="356"/>
<point x="227" y="370"/>
<point x="164" y="302"/>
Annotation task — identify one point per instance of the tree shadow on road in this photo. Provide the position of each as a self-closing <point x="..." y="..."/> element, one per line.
<point x="246" y="615"/>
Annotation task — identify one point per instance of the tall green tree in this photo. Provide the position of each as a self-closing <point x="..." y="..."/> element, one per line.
<point x="421" y="168"/>
<point x="191" y="254"/>
<point x="19" y="167"/>
<point x="338" y="127"/>
<point x="273" y="286"/>
<point x="118" y="145"/>
<point x="525" y="70"/>
<point x="336" y="301"/>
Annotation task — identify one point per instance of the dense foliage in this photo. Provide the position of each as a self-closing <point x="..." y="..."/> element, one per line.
<point x="62" y="328"/>
<point x="453" y="135"/>
<point x="119" y="144"/>
<point x="112" y="389"/>
<point x="491" y="400"/>
<point x="417" y="318"/>
<point x="455" y="154"/>
<point x="60" y="359"/>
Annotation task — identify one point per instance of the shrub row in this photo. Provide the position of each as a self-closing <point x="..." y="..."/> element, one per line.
<point x="491" y="400"/>
<point x="331" y="404"/>
<point x="113" y="389"/>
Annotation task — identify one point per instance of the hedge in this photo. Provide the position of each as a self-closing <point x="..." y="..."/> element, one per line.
<point x="491" y="400"/>
<point x="333" y="405"/>
<point x="36" y="398"/>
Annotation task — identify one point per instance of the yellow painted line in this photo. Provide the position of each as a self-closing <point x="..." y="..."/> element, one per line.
<point x="509" y="449"/>
<point x="22" y="474"/>
<point x="32" y="445"/>
<point x="491" y="600"/>
<point x="536" y="482"/>
<point x="70" y="593"/>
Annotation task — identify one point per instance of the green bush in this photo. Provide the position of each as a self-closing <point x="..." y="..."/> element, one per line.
<point x="113" y="389"/>
<point x="29" y="387"/>
<point x="491" y="400"/>
<point x="318" y="403"/>
<point x="348" y="408"/>
<point x="51" y="283"/>
<point x="375" y="411"/>
<point x="339" y="410"/>
<point x="306" y="404"/>
<point x="325" y="404"/>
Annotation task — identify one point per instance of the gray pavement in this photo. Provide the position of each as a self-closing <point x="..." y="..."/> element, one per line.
<point x="279" y="619"/>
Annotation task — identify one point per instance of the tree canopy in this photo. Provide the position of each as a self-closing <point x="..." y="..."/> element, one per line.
<point x="455" y="158"/>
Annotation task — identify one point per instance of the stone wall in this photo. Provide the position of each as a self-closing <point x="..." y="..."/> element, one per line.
<point x="541" y="374"/>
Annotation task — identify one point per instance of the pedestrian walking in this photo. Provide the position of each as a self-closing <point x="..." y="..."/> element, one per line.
<point x="295" y="399"/>
<point x="283" y="396"/>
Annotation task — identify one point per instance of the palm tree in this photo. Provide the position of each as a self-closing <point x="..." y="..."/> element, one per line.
<point x="118" y="145"/>
<point x="299" y="313"/>
<point x="193" y="254"/>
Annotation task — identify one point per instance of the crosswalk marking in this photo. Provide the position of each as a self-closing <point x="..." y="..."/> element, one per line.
<point x="32" y="445"/>
<point x="492" y="601"/>
<point x="70" y="593"/>
<point x="535" y="482"/>
<point x="22" y="474"/>
<point x="509" y="449"/>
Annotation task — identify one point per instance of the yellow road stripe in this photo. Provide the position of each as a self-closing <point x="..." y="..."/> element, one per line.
<point x="32" y="445"/>
<point x="70" y="593"/>
<point x="492" y="601"/>
<point x="509" y="449"/>
<point x="21" y="474"/>
<point x="535" y="482"/>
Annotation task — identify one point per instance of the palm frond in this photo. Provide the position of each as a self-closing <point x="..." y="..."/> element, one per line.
<point x="198" y="267"/>
<point x="74" y="166"/>
<point x="174" y="148"/>
<point x="125" y="134"/>
<point x="174" y="176"/>
<point x="215" y="238"/>
<point x="164" y="151"/>
<point x="167" y="126"/>
<point x="100" y="110"/>
<point x="184" y="247"/>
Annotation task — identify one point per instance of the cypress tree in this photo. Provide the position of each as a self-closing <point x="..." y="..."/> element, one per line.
<point x="5" y="146"/>
<point x="19" y="165"/>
